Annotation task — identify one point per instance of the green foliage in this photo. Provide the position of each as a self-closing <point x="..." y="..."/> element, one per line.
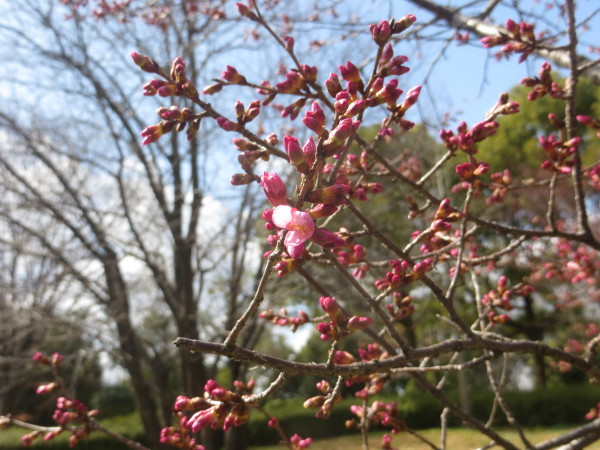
<point x="559" y="405"/>
<point x="114" y="400"/>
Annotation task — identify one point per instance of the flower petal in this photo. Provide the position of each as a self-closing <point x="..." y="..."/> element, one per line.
<point x="282" y="215"/>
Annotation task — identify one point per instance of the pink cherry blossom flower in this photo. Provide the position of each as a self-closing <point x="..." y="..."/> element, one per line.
<point x="300" y="227"/>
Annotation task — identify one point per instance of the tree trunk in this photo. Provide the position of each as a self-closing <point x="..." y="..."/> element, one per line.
<point x="118" y="306"/>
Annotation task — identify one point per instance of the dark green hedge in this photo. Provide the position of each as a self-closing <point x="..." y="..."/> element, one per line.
<point x="563" y="405"/>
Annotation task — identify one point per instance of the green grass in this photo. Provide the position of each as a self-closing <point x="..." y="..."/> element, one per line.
<point x="129" y="425"/>
<point x="457" y="438"/>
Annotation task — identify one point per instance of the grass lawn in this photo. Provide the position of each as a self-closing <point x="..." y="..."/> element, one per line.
<point x="457" y="439"/>
<point x="129" y="425"/>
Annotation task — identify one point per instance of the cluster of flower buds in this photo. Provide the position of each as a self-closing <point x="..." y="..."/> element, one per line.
<point x="379" y="413"/>
<point x="53" y="361"/>
<point x="498" y="187"/>
<point x="219" y="409"/>
<point x="389" y="64"/>
<point x="173" y="119"/>
<point x="181" y="435"/>
<point x="229" y="76"/>
<point x="373" y="383"/>
<point x="543" y="84"/>
<point x="403" y="273"/>
<point x="593" y="413"/>
<point x="382" y="31"/>
<point x="559" y="153"/>
<point x="245" y="115"/>
<point x="174" y="84"/>
<point x="323" y="403"/>
<point x="282" y="318"/>
<point x="503" y="107"/>
<point x="297" y="81"/>
<point x="68" y="413"/>
<point x="354" y="165"/>
<point x="249" y="154"/>
<point x="357" y="257"/>
<point x="302" y="158"/>
<point x="470" y="172"/>
<point x="519" y="38"/>
<point x="71" y="415"/>
<point x="298" y="443"/>
<point x="577" y="264"/>
<point x="300" y="225"/>
<point x="401" y="306"/>
<point x="466" y="139"/>
<point x="501" y="298"/>
<point x="438" y="236"/>
<point x="339" y="324"/>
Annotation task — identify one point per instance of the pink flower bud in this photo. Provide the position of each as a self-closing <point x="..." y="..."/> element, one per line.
<point x="212" y="89"/>
<point x="588" y="121"/>
<point x="355" y="108"/>
<point x="289" y="43"/>
<point x="246" y="12"/>
<point x="295" y="153"/>
<point x="349" y="72"/>
<point x="338" y="135"/>
<point x="310" y="151"/>
<point x="380" y="33"/>
<point x="331" y="307"/>
<point x="324" y="386"/>
<point x="315" y="119"/>
<point x="274" y="188"/>
<point x="512" y="27"/>
<point x="314" y="402"/>
<point x="403" y="24"/>
<point x="327" y="330"/>
<point x="46" y="388"/>
<point x="189" y="90"/>
<point x="326" y="238"/>
<point x="241" y="179"/>
<point x="154" y="132"/>
<point x="332" y="195"/>
<point x="411" y="98"/>
<point x="167" y="90"/>
<point x="232" y="76"/>
<point x="333" y="85"/>
<point x="227" y="124"/>
<point x="178" y="69"/>
<point x="145" y="63"/>
<point x="319" y="211"/>
<point x="356" y="323"/>
<point x="389" y="93"/>
<point x="342" y="357"/>
<point x="239" y="109"/>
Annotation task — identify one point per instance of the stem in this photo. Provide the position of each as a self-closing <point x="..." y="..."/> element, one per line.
<point x="583" y="226"/>
<point x="258" y="296"/>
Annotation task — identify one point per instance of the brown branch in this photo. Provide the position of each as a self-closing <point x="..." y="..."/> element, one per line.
<point x="292" y="368"/>
<point x="481" y="28"/>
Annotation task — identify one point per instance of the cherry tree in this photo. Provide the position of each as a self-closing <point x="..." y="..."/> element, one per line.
<point x="319" y="227"/>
